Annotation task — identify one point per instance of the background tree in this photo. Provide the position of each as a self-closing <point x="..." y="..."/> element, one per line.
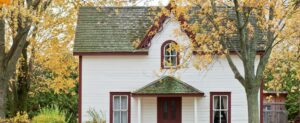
<point x="21" y="17"/>
<point x="36" y="58"/>
<point x="283" y="70"/>
<point x="47" y="63"/>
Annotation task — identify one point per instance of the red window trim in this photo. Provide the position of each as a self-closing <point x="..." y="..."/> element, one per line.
<point x="162" y="54"/>
<point x="211" y="104"/>
<point x="111" y="104"/>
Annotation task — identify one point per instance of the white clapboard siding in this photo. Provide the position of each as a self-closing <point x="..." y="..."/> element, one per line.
<point x="149" y="110"/>
<point x="187" y="109"/>
<point x="104" y="74"/>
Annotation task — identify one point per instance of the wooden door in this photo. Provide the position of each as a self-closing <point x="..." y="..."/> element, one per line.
<point x="169" y="110"/>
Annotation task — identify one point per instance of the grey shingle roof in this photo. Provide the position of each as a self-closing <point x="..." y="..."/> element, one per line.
<point x="111" y="29"/>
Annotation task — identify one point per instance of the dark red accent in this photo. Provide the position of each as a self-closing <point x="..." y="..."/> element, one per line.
<point x="111" y="104"/>
<point x="261" y="101"/>
<point x="80" y="91"/>
<point x="154" y="28"/>
<point x="162" y="54"/>
<point x="187" y="29"/>
<point x="211" y="104"/>
<point x="169" y="117"/>
<point x="170" y="95"/>
<point x="111" y="53"/>
<point x="145" y="43"/>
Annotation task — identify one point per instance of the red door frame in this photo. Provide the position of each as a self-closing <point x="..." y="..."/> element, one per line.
<point x="178" y="107"/>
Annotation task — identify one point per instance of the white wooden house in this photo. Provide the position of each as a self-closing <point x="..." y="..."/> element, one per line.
<point x="121" y="80"/>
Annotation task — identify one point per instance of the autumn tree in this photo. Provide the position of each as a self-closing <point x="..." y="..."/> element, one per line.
<point x="36" y="49"/>
<point x="283" y="70"/>
<point x="47" y="63"/>
<point x="255" y="25"/>
<point x="20" y="18"/>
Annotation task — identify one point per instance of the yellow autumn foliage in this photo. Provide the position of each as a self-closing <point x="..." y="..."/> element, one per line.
<point x="51" y="48"/>
<point x="4" y="2"/>
<point x="286" y="57"/>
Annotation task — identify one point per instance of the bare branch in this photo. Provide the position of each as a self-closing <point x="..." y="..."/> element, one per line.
<point x="231" y="45"/>
<point x="238" y="15"/>
<point x="247" y="16"/>
<point x="236" y="72"/>
<point x="18" y="44"/>
<point x="240" y="29"/>
<point x="233" y="67"/>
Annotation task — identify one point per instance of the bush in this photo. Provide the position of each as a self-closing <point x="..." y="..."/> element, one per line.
<point x="49" y="115"/>
<point x="19" y="118"/>
<point x="67" y="102"/>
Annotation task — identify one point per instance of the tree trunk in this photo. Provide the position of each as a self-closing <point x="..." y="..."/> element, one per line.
<point x="23" y="84"/>
<point x="253" y="106"/>
<point x="3" y="92"/>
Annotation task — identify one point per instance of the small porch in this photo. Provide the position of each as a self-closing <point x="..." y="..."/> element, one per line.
<point x="167" y="100"/>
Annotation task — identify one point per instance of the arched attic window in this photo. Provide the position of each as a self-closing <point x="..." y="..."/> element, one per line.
<point x="169" y="54"/>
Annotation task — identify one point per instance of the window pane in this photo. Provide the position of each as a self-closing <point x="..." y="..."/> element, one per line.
<point x="173" y="60"/>
<point x="124" y="116"/>
<point x="124" y="102"/>
<point x="224" y="117"/>
<point x="216" y="102"/>
<point x="166" y="60"/>
<point x="167" y="49"/>
<point x="117" y="117"/>
<point x="165" y="108"/>
<point x="173" y="50"/>
<point x="224" y="103"/>
<point x="117" y="103"/>
<point x="173" y="105"/>
<point x="170" y="55"/>
<point x="216" y="117"/>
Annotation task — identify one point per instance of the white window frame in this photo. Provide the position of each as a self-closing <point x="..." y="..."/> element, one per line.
<point x="169" y="56"/>
<point x="120" y="110"/>
<point x="220" y="110"/>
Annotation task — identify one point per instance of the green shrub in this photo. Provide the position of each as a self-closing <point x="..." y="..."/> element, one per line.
<point x="49" y="115"/>
<point x="19" y="118"/>
<point x="67" y="102"/>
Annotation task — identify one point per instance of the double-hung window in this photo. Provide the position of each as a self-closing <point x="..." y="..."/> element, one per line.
<point x="170" y="55"/>
<point x="120" y="107"/>
<point x="220" y="107"/>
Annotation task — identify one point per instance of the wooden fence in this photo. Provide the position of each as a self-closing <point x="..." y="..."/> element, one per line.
<point x="275" y="113"/>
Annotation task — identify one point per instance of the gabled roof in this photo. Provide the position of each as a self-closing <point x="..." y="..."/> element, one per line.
<point x="110" y="30"/>
<point x="114" y="29"/>
<point x="145" y="43"/>
<point x="168" y="85"/>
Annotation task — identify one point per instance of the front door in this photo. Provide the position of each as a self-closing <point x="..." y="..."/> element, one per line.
<point x="168" y="109"/>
